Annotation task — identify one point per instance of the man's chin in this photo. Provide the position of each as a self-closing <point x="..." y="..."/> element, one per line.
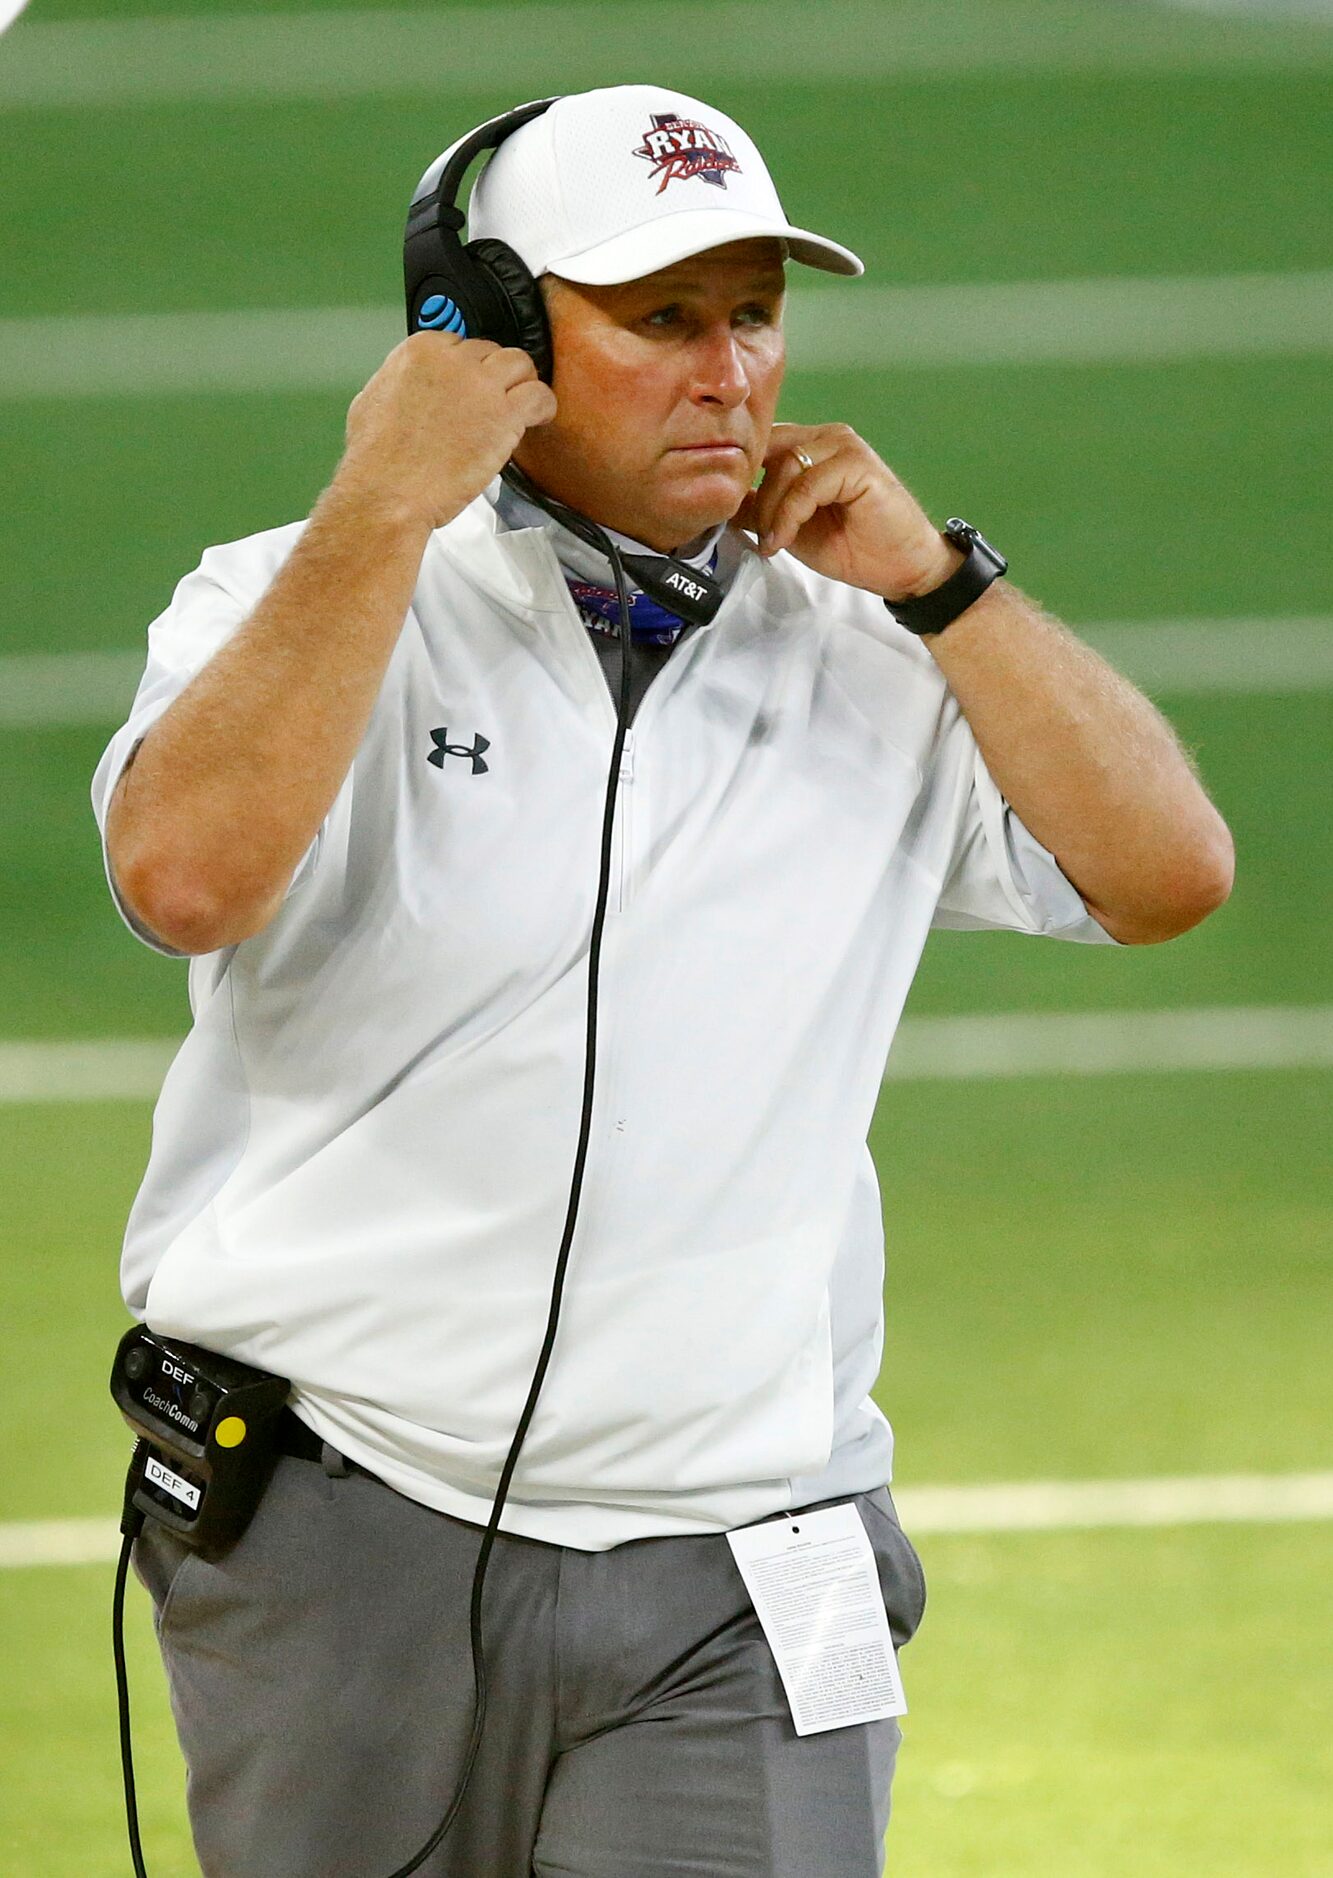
<point x="664" y="512"/>
<point x="680" y="516"/>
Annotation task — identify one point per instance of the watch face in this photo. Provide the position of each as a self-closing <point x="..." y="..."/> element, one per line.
<point x="964" y="536"/>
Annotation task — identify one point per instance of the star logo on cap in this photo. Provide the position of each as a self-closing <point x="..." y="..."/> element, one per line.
<point x="680" y="146"/>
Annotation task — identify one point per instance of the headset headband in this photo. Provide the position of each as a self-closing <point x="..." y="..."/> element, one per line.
<point x="478" y="289"/>
<point x="442" y="192"/>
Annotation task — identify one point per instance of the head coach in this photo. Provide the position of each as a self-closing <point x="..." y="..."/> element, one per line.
<point x="472" y="901"/>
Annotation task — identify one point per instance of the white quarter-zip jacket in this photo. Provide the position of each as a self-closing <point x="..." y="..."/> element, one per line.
<point x="362" y="1153"/>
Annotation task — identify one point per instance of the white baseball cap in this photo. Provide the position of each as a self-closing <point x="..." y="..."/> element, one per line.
<point x="613" y="184"/>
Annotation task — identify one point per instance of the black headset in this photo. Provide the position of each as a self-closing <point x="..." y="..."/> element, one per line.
<point x="481" y="290"/>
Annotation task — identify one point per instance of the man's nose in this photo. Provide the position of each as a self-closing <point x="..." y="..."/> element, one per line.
<point x="720" y="374"/>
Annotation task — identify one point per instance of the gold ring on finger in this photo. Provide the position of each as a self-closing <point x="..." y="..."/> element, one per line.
<point x="806" y="462"/>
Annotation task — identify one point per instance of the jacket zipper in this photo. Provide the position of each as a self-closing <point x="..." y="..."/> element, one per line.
<point x="623" y="803"/>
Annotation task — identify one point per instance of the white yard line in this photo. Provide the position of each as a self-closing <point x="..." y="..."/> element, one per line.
<point x="114" y="1070"/>
<point x="1112" y="321"/>
<point x="534" y="51"/>
<point x="1105" y="1043"/>
<point x="40" y="690"/>
<point x="926" y="1049"/>
<point x="1068" y="1505"/>
<point x="55" y="689"/>
<point x="159" y="354"/>
<point x="58" y="1542"/>
<point x="1115" y="320"/>
<point x="1208" y="656"/>
<point x="1320" y="11"/>
<point x="1026" y="1506"/>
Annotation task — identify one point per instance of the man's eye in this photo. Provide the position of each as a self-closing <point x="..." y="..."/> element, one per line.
<point x="756" y="315"/>
<point x="663" y="316"/>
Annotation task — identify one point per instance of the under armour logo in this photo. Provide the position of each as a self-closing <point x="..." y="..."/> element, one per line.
<point x="443" y="748"/>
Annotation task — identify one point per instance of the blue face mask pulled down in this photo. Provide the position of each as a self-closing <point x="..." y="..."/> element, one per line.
<point x="649" y="623"/>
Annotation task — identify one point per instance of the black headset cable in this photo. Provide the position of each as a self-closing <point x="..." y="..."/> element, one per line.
<point x="131" y="1524"/>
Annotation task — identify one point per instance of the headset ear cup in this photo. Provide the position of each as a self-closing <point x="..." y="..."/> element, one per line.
<point x="523" y="300"/>
<point x="436" y="268"/>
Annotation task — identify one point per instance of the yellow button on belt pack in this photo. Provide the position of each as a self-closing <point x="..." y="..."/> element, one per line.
<point x="230" y="1432"/>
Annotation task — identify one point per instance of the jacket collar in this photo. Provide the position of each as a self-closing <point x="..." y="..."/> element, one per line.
<point x="518" y="567"/>
<point x="579" y="559"/>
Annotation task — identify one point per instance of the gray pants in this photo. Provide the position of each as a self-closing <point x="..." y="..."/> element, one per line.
<point x="321" y="1681"/>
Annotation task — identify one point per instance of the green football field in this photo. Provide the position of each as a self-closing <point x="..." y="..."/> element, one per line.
<point x="1091" y="1277"/>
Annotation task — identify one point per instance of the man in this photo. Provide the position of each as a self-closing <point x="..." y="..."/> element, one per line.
<point x="362" y="788"/>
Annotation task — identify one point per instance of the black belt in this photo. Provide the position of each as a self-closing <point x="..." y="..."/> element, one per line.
<point x="298" y="1438"/>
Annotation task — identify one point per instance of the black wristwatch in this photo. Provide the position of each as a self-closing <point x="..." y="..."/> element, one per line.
<point x="932" y="612"/>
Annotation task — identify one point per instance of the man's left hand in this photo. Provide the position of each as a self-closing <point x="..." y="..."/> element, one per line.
<point x="847" y="516"/>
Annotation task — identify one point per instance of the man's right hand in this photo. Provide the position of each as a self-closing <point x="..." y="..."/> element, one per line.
<point x="438" y="422"/>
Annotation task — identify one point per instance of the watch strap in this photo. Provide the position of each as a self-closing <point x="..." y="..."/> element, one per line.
<point x="931" y="612"/>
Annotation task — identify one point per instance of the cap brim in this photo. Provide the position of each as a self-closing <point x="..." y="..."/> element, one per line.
<point x="671" y="238"/>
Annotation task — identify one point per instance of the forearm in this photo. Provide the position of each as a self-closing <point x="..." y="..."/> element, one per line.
<point x="1089" y="765"/>
<point x="230" y="786"/>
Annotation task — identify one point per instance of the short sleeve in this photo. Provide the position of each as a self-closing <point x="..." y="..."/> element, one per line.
<point x="1002" y="878"/>
<point x="205" y="611"/>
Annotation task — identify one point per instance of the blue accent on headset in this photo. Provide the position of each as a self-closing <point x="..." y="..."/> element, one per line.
<point x="439" y="314"/>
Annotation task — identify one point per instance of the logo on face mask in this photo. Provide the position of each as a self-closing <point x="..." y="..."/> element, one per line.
<point x="678" y="146"/>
